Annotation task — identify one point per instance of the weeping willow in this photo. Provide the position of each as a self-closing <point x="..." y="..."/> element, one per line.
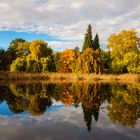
<point x="89" y="61"/>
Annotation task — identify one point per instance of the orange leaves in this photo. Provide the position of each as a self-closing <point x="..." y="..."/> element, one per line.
<point x="88" y="51"/>
<point x="91" y="61"/>
<point x="67" y="98"/>
<point x="66" y="58"/>
<point x="97" y="52"/>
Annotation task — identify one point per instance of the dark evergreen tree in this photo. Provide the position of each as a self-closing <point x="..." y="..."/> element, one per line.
<point x="96" y="44"/>
<point x="88" y="43"/>
<point x="87" y="116"/>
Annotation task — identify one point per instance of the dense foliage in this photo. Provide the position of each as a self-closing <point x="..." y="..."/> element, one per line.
<point x="122" y="56"/>
<point x="125" y="52"/>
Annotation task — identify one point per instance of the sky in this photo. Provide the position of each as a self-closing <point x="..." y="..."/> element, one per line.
<point x="63" y="23"/>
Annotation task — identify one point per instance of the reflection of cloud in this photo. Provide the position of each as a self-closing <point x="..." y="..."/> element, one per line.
<point x="61" y="124"/>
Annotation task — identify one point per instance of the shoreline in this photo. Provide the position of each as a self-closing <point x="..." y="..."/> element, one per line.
<point x="69" y="77"/>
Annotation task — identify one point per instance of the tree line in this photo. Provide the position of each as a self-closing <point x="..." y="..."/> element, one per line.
<point x="122" y="55"/>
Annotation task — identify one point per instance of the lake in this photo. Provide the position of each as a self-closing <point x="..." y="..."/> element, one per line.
<point x="70" y="111"/>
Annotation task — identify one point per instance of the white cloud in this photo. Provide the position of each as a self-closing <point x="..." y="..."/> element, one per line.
<point x="59" y="45"/>
<point x="67" y="19"/>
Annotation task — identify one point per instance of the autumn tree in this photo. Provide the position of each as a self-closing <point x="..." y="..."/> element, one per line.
<point x="18" y="65"/>
<point x="33" y="56"/>
<point x="89" y="61"/>
<point x="39" y="48"/>
<point x="67" y="57"/>
<point x="23" y="49"/>
<point x="120" y="45"/>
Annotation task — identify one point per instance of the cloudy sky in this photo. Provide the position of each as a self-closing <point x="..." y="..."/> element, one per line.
<point x="63" y="22"/>
<point x="65" y="123"/>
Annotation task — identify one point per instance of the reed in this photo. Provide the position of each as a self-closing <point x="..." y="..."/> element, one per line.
<point x="69" y="77"/>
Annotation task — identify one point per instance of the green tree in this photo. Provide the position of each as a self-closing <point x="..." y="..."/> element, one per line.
<point x="56" y="57"/>
<point x="88" y="42"/>
<point x="2" y="52"/>
<point x="5" y="60"/>
<point x="96" y="44"/>
<point x="12" y="48"/>
<point x="106" y="55"/>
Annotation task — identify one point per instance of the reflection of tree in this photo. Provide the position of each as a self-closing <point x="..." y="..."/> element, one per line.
<point x="2" y="93"/>
<point x="87" y="116"/>
<point x="17" y="104"/>
<point x="33" y="96"/>
<point x="37" y="105"/>
<point x="88" y="113"/>
<point x="124" y="104"/>
<point x="64" y="94"/>
<point x="90" y="96"/>
<point x="124" y="100"/>
<point x="96" y="114"/>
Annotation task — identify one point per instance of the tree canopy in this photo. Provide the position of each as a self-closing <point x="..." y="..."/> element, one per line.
<point x="123" y="46"/>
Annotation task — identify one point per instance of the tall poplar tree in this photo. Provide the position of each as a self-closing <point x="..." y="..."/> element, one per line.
<point x="88" y="43"/>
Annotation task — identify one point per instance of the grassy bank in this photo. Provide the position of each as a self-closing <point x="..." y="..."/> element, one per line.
<point x="70" y="77"/>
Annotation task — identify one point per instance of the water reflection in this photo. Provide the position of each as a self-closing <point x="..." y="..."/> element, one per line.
<point x="123" y="100"/>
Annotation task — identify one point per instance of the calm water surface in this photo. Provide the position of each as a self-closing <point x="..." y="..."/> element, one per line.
<point x="73" y="111"/>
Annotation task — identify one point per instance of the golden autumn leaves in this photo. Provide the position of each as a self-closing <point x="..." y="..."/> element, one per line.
<point x="89" y="61"/>
<point x="125" y="52"/>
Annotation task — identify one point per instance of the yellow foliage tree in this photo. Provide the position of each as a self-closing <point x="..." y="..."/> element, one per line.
<point x="120" y="44"/>
<point x="38" y="49"/>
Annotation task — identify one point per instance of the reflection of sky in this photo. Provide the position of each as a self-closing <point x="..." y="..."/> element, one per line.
<point x="62" y="123"/>
<point x="4" y="109"/>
